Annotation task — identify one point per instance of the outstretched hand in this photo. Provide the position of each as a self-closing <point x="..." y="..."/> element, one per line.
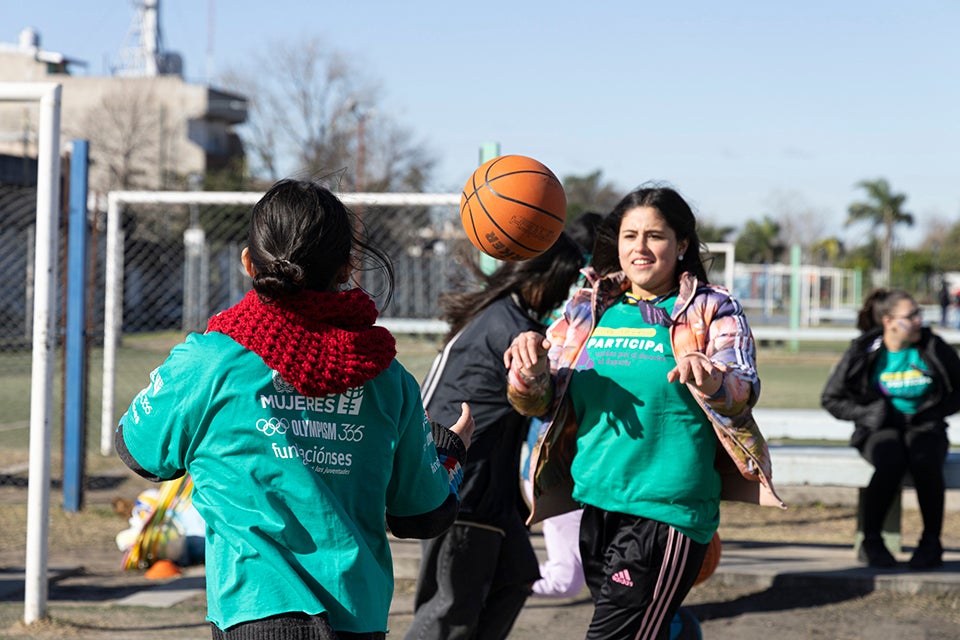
<point x="528" y="353"/>
<point x="697" y="369"/>
<point x="464" y="426"/>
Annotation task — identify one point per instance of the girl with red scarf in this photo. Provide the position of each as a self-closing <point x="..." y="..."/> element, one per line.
<point x="302" y="434"/>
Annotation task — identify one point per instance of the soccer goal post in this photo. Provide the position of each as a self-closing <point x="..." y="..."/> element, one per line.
<point x="44" y="315"/>
<point x="172" y="259"/>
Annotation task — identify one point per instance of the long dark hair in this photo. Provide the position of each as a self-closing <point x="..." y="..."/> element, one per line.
<point x="303" y="237"/>
<point x="583" y="230"/>
<point x="678" y="216"/>
<point x="879" y="303"/>
<point x="542" y="284"/>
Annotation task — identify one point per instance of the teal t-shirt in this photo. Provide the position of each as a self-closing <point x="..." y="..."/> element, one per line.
<point x="902" y="376"/>
<point x="293" y="488"/>
<point x="644" y="446"/>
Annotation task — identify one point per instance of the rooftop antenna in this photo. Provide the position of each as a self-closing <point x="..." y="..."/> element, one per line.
<point x="143" y="54"/>
<point x="209" y="72"/>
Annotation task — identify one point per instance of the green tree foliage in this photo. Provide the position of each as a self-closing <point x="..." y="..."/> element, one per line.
<point x="710" y="232"/>
<point x="882" y="209"/>
<point x="827" y="251"/>
<point x="232" y="177"/>
<point x="942" y="242"/>
<point x="589" y="193"/>
<point x="759" y="242"/>
<point x="914" y="261"/>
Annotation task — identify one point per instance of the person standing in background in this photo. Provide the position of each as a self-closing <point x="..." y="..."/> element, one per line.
<point x="945" y="301"/>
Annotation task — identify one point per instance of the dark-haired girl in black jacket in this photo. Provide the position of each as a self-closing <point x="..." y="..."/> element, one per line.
<point x="898" y="382"/>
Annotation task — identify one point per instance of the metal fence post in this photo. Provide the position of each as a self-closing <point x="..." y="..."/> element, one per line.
<point x="75" y="386"/>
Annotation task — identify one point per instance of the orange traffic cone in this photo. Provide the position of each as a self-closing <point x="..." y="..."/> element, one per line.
<point x="162" y="569"/>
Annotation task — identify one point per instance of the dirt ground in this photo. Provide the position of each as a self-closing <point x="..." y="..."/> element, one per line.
<point x="82" y="606"/>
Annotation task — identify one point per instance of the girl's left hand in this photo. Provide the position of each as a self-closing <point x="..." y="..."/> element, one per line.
<point x="697" y="369"/>
<point x="465" y="425"/>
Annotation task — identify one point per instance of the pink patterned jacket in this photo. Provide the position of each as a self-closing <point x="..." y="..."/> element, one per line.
<point x="705" y="319"/>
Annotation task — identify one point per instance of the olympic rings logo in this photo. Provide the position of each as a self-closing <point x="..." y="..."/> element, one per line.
<point x="273" y="426"/>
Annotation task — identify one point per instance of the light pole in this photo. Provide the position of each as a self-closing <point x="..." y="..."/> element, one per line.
<point x="361" y="119"/>
<point x="361" y="114"/>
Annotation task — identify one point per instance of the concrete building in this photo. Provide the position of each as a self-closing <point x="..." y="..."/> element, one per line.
<point x="148" y="128"/>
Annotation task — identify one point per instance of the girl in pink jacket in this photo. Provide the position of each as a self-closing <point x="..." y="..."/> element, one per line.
<point x="650" y="374"/>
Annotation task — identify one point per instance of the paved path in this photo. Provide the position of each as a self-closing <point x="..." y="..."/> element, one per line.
<point x="757" y="587"/>
<point x="746" y="564"/>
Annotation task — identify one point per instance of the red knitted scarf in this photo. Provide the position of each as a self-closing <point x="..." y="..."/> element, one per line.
<point x="321" y="343"/>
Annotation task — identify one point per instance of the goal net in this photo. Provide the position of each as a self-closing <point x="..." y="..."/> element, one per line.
<point x="173" y="260"/>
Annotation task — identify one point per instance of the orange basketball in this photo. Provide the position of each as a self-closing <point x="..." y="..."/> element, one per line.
<point x="513" y="208"/>
<point x="711" y="560"/>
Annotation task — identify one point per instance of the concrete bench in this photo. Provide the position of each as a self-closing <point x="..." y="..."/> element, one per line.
<point x="835" y="463"/>
<point x="817" y="424"/>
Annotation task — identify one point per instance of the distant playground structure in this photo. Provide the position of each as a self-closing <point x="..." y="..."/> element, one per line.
<point x="826" y="294"/>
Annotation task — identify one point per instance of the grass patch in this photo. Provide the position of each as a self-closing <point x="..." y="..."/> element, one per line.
<point x="790" y="380"/>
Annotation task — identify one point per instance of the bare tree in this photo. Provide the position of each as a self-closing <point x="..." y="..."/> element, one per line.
<point x="941" y="240"/>
<point x="799" y="221"/>
<point x="393" y="161"/>
<point x="312" y="111"/>
<point x="129" y="134"/>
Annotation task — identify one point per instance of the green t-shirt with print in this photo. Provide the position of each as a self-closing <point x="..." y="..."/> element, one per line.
<point x="644" y="446"/>
<point x="293" y="488"/>
<point x="902" y="376"/>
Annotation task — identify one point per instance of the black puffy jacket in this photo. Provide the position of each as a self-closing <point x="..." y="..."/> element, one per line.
<point x="849" y="394"/>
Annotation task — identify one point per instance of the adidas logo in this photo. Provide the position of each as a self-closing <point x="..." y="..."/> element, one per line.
<point x="622" y="577"/>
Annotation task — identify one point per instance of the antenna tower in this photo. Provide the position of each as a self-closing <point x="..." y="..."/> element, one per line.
<point x="142" y="54"/>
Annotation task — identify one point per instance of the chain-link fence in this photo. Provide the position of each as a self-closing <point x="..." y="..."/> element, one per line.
<point x="178" y="262"/>
<point x="18" y="215"/>
<point x="181" y="262"/>
<point x="18" y="206"/>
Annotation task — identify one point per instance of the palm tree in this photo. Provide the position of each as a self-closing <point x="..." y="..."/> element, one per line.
<point x="884" y="208"/>
<point x="759" y="242"/>
<point x="707" y="231"/>
<point x="827" y="251"/>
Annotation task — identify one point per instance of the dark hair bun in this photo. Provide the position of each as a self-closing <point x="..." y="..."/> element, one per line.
<point x="282" y="278"/>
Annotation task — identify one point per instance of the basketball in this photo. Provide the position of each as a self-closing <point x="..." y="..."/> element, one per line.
<point x="711" y="560"/>
<point x="513" y="208"/>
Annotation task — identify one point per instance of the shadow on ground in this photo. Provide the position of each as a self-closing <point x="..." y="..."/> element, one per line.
<point x="783" y="595"/>
<point x="91" y="482"/>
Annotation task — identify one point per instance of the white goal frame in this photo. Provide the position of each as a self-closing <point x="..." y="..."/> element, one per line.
<point x="113" y="274"/>
<point x="44" y="332"/>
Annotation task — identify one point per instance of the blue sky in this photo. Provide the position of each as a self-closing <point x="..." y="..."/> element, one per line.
<point x="748" y="108"/>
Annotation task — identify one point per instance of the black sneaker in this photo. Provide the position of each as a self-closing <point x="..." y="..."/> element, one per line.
<point x="876" y="554"/>
<point x="927" y="555"/>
